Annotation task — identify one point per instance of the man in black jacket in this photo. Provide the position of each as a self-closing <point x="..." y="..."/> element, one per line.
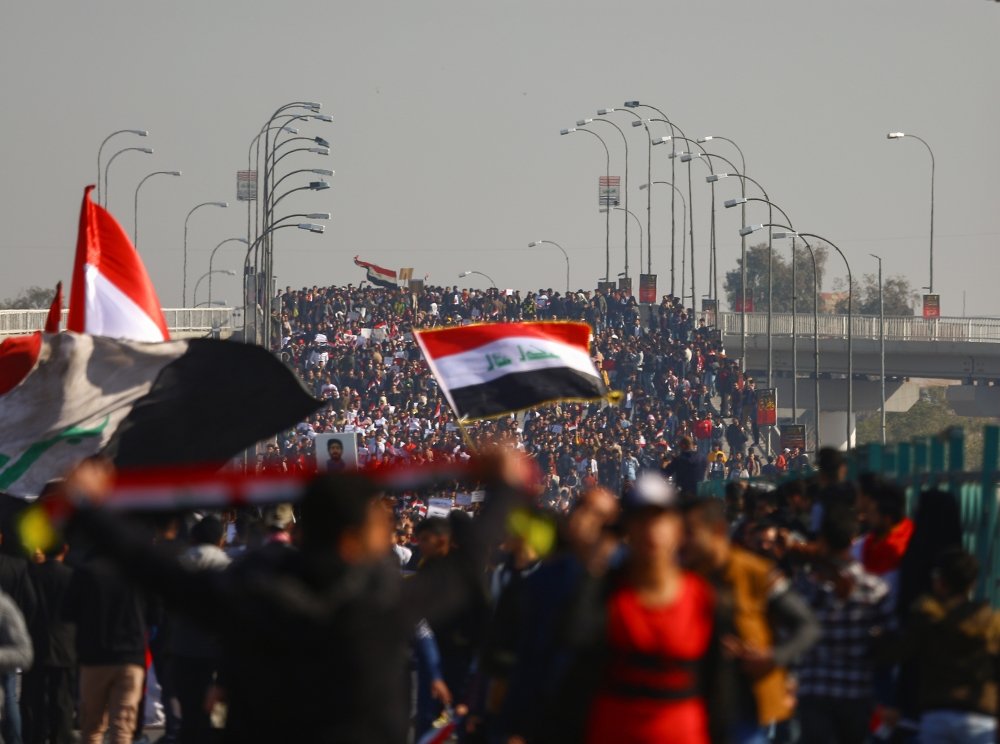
<point x="109" y="614"/>
<point x="687" y="469"/>
<point x="316" y="642"/>
<point x="47" y="689"/>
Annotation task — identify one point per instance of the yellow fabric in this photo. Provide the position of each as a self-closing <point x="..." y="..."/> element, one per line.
<point x="750" y="578"/>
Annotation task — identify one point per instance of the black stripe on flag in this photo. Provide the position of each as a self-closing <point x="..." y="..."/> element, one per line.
<point x="520" y="390"/>
<point x="375" y="278"/>
<point x="208" y="405"/>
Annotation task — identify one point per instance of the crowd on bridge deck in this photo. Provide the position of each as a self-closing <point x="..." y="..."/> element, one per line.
<point x="352" y="346"/>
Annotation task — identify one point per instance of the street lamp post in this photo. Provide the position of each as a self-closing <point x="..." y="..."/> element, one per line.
<point x="743" y="314"/>
<point x="714" y="261"/>
<point x="253" y="164"/>
<point x="185" y="265"/>
<point x="676" y="192"/>
<point x="674" y="129"/>
<point x="690" y="206"/>
<point x="107" y="168"/>
<point x="640" y="122"/>
<point x="850" y="333"/>
<point x="812" y="255"/>
<point x="486" y="276"/>
<point x="140" y="132"/>
<point x="795" y="360"/>
<point x="534" y="243"/>
<point x="211" y="260"/>
<point x="135" y="211"/>
<point x="194" y="295"/>
<point x="584" y="122"/>
<point x="247" y="289"/>
<point x="900" y="135"/>
<point x="881" y="338"/>
<point x="607" y="175"/>
<point x="638" y="224"/>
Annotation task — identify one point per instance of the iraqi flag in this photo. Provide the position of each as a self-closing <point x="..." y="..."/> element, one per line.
<point x="378" y="275"/>
<point x="111" y="294"/>
<point x="492" y="369"/>
<point x="66" y="396"/>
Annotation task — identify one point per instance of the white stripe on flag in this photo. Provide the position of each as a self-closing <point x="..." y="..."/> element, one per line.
<point x="112" y="313"/>
<point x="504" y="356"/>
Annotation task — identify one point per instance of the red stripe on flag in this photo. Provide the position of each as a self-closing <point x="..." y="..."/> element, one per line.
<point x="18" y="355"/>
<point x="374" y="267"/>
<point x="446" y="341"/>
<point x="102" y="243"/>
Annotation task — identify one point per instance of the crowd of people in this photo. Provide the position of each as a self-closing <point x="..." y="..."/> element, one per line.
<point x="561" y="580"/>
<point x="352" y="346"/>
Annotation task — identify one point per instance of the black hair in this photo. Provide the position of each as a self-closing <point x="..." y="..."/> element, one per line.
<point x="334" y="504"/>
<point x="208" y="531"/>
<point x="709" y="511"/>
<point x="889" y="498"/>
<point x="436" y="526"/>
<point x="830" y="461"/>
<point x="958" y="571"/>
<point x="839" y="527"/>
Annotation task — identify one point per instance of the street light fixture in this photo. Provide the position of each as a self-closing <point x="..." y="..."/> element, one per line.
<point x="194" y="297"/>
<point x="135" y="210"/>
<point x="309" y="227"/>
<point x="139" y="132"/>
<point x="690" y="204"/>
<point x="470" y="271"/>
<point x="211" y="260"/>
<point x="194" y="209"/>
<point x="901" y="135"/>
<point x="631" y="214"/>
<point x="607" y="175"/>
<point x="850" y="324"/>
<point x="107" y="168"/>
<point x="812" y="255"/>
<point x="684" y="212"/>
<point x="585" y="122"/>
<point x="674" y="130"/>
<point x="638" y="121"/>
<point x="535" y="243"/>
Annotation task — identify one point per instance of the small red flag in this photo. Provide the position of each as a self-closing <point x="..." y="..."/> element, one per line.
<point x="55" y="312"/>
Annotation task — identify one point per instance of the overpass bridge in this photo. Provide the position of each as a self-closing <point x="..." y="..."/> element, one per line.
<point x="966" y="350"/>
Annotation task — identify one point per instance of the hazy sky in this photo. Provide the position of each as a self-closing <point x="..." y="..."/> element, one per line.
<point x="446" y="135"/>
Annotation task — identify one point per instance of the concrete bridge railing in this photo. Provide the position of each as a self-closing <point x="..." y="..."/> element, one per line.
<point x="182" y="322"/>
<point x="897" y="328"/>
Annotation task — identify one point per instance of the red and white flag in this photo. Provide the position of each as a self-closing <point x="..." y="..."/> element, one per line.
<point x="492" y="369"/>
<point x="111" y="294"/>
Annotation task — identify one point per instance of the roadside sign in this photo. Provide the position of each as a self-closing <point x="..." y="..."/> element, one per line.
<point x="246" y="185"/>
<point x="647" y="288"/>
<point x="932" y="306"/>
<point x="608" y="191"/>
<point x="767" y="407"/>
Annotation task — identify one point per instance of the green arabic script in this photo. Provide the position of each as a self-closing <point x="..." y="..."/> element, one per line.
<point x="70" y="435"/>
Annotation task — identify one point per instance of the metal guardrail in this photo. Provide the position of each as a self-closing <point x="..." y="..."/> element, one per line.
<point x="179" y="320"/>
<point x="897" y="328"/>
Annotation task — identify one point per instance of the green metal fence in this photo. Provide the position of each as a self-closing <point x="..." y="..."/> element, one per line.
<point x="939" y="462"/>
